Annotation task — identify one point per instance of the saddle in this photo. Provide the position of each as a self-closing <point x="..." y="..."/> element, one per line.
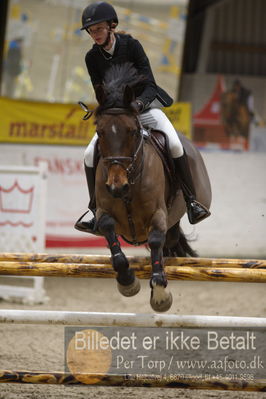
<point x="159" y="141"/>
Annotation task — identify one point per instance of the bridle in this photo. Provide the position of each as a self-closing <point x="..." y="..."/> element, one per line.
<point x="134" y="168"/>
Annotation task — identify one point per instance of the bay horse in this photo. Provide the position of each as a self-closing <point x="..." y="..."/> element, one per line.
<point x="235" y="116"/>
<point x="132" y="190"/>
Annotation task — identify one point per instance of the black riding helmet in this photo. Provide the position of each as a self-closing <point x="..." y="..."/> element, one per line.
<point x="98" y="12"/>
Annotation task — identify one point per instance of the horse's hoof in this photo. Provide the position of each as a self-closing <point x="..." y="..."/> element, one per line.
<point x="131" y="289"/>
<point x="161" y="300"/>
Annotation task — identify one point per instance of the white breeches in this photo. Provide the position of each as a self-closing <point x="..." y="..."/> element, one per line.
<point x="89" y="152"/>
<point x="154" y="118"/>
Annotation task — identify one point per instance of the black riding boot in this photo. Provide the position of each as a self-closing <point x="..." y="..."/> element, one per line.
<point x="88" y="226"/>
<point x="196" y="211"/>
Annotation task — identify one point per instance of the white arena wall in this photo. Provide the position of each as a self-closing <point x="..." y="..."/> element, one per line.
<point x="236" y="228"/>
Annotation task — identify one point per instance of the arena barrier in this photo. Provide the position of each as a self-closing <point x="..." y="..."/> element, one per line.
<point x="128" y="319"/>
<point x="99" y="266"/>
<point x="128" y="380"/>
<point x="100" y="319"/>
<point x="197" y="269"/>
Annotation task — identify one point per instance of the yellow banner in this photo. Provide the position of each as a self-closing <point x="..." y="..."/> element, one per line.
<point x="180" y="116"/>
<point x="46" y="123"/>
<point x="43" y="123"/>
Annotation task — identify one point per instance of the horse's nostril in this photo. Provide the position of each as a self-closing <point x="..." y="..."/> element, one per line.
<point x="117" y="191"/>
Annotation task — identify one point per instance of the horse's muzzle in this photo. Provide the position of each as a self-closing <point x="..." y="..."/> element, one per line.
<point x="117" y="192"/>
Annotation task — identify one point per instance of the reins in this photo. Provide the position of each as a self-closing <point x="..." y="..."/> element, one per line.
<point x="133" y="171"/>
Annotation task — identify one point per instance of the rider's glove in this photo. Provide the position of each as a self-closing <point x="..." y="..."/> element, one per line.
<point x="137" y="105"/>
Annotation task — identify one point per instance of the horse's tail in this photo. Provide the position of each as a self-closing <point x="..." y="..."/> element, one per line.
<point x="176" y="243"/>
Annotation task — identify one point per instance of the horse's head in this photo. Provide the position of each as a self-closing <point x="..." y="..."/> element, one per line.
<point x="120" y="140"/>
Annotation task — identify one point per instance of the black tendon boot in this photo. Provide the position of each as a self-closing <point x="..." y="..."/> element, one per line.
<point x="82" y="223"/>
<point x="196" y="211"/>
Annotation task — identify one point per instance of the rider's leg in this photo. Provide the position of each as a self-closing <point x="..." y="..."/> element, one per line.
<point x="157" y="119"/>
<point x="83" y="223"/>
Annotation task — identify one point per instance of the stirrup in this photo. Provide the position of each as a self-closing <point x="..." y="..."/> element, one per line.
<point x="196" y="212"/>
<point x="87" y="226"/>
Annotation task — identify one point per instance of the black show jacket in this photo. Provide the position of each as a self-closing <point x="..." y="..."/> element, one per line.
<point x="127" y="49"/>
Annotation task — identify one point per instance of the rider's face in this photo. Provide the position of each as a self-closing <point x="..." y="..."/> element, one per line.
<point x="99" y="32"/>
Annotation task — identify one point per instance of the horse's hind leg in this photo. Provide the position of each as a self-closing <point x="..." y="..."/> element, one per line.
<point x="127" y="283"/>
<point x="161" y="299"/>
<point x="176" y="243"/>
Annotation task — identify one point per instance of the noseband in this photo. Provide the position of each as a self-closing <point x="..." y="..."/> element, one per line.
<point x="133" y="168"/>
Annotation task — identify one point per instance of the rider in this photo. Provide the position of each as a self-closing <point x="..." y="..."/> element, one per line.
<point x="244" y="96"/>
<point x="100" y="20"/>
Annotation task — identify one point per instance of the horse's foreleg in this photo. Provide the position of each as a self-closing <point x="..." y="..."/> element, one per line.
<point x="128" y="284"/>
<point x="161" y="299"/>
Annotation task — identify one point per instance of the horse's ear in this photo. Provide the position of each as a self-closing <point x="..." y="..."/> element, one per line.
<point x="129" y="96"/>
<point x="100" y="94"/>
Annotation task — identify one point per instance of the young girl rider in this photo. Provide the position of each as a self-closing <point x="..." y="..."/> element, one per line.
<point x="100" y="20"/>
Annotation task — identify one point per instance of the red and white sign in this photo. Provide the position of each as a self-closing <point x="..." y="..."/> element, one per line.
<point x="22" y="194"/>
<point x="67" y="193"/>
<point x="208" y="130"/>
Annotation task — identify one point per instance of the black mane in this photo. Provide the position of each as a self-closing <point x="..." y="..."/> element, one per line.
<point x="117" y="77"/>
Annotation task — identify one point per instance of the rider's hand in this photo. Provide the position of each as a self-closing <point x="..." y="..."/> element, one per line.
<point x="137" y="105"/>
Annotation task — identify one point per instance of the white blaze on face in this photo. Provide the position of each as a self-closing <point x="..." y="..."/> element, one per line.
<point x="114" y="129"/>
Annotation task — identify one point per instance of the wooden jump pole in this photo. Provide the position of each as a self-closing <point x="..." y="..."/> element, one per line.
<point x="144" y="272"/>
<point x="128" y="380"/>
<point x="133" y="260"/>
<point x="54" y="317"/>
